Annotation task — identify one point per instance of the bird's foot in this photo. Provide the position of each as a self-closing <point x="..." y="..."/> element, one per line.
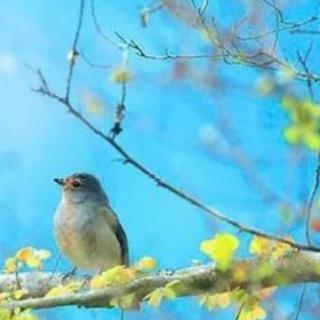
<point x="69" y="275"/>
<point x="166" y="272"/>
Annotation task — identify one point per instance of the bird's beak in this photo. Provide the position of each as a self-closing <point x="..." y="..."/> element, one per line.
<point x="59" y="181"/>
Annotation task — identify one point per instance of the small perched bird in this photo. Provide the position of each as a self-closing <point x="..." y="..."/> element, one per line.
<point x="87" y="230"/>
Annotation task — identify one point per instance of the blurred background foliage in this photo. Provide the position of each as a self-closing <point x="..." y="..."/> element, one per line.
<point x="221" y="101"/>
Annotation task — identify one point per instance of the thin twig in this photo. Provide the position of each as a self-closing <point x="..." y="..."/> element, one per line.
<point x="93" y="64"/>
<point x="303" y="62"/>
<point x="239" y="311"/>
<point x="300" y="303"/>
<point x="147" y="11"/>
<point x="119" y="114"/>
<point x="291" y="28"/>
<point x="311" y="200"/>
<point x="99" y="29"/>
<point x="139" y="51"/>
<point x="74" y="52"/>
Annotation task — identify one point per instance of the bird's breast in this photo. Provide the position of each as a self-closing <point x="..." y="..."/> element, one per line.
<point x="84" y="236"/>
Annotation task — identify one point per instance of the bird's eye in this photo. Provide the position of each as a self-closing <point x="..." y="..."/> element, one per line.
<point x="76" y="184"/>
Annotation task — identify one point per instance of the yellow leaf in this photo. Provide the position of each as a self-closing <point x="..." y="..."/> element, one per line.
<point x="75" y="285"/>
<point x="33" y="258"/>
<point x="33" y="262"/>
<point x="252" y="312"/>
<point x="18" y="294"/>
<point x="112" y="275"/>
<point x="42" y="254"/>
<point x="129" y="301"/>
<point x="221" y="249"/>
<point x="305" y="122"/>
<point x="168" y="289"/>
<point x="239" y="273"/>
<point x="294" y="134"/>
<point x="264" y="269"/>
<point x="4" y="296"/>
<point x="286" y="73"/>
<point x="146" y="263"/>
<point x="207" y="300"/>
<point x="93" y="104"/>
<point x="5" y="314"/>
<point x="155" y="297"/>
<point x="59" y="291"/>
<point x="259" y="246"/>
<point x="169" y="293"/>
<point x="121" y="75"/>
<point x="238" y="295"/>
<point x="259" y="313"/>
<point x="212" y="301"/>
<point x="265" y="85"/>
<point x="24" y="254"/>
<point x="24" y="315"/>
<point x="280" y="249"/>
<point x="116" y="275"/>
<point x="98" y="282"/>
<point x="266" y="247"/>
<point x="119" y="274"/>
<point x="312" y="140"/>
<point x="265" y="293"/>
<point x="223" y="299"/>
<point x="11" y="265"/>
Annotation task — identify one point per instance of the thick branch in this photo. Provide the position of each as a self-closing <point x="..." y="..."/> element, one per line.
<point x="296" y="268"/>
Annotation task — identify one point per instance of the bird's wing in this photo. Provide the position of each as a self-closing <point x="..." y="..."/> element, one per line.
<point x="119" y="232"/>
<point x="122" y="238"/>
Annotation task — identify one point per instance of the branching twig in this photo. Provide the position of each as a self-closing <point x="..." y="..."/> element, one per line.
<point x="303" y="62"/>
<point x="128" y="159"/>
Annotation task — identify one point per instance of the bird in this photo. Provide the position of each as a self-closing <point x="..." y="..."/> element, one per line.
<point x="87" y="230"/>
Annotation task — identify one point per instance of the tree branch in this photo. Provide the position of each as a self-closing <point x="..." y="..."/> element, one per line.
<point x="295" y="268"/>
<point x="128" y="159"/>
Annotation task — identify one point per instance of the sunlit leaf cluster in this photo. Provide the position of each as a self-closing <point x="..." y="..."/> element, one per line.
<point x="304" y="122"/>
<point x="28" y="256"/>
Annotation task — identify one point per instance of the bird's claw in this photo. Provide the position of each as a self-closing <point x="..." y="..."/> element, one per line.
<point x="69" y="275"/>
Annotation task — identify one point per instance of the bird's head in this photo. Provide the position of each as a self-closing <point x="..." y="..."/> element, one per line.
<point x="79" y="186"/>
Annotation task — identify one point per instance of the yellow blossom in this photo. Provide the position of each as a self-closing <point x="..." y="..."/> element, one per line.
<point x="221" y="248"/>
<point x="146" y="263"/>
<point x="121" y="75"/>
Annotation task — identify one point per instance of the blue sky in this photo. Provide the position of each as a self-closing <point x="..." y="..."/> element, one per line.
<point x="166" y="127"/>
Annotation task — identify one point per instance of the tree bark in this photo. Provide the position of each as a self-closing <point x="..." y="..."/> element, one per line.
<point x="297" y="267"/>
